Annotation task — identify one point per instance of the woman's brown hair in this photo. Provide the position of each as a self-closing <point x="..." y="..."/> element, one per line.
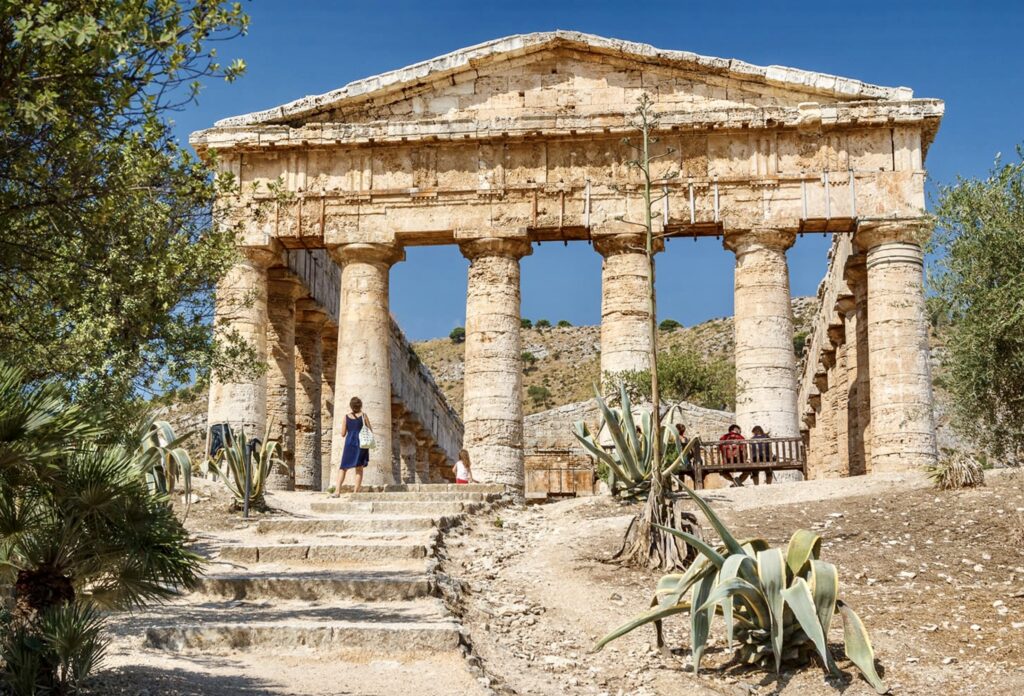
<point x="356" y="404"/>
<point x="464" y="456"/>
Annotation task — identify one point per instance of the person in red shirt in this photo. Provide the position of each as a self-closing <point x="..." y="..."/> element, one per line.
<point x="733" y="451"/>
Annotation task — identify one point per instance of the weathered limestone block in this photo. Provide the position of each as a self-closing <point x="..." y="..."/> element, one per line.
<point x="328" y="373"/>
<point x="364" y="363"/>
<point x="283" y="289"/>
<point x="854" y="442"/>
<point x="241" y="306"/>
<point x="309" y="323"/>
<point x="902" y="427"/>
<point x="625" y="308"/>
<point x="766" y="389"/>
<point x="492" y="406"/>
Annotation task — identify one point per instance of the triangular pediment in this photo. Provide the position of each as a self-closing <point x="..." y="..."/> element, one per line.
<point x="524" y="76"/>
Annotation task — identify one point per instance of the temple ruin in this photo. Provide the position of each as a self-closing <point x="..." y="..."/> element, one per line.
<point x="518" y="141"/>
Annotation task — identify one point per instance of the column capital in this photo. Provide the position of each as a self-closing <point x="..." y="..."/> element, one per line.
<point x="856" y="271"/>
<point x="309" y="311"/>
<point x="872" y="233"/>
<point x="284" y="284"/>
<point x="845" y="304"/>
<point x="742" y="241"/>
<point x="263" y="256"/>
<point x="836" y="334"/>
<point x="625" y="243"/>
<point x="367" y="252"/>
<point x="508" y="247"/>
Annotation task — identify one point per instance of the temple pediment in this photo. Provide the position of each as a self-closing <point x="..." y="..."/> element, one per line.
<point x="568" y="80"/>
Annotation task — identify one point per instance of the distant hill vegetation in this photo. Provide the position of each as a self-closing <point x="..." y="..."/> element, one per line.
<point x="561" y="363"/>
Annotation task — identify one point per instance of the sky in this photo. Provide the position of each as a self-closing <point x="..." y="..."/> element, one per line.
<point x="966" y="53"/>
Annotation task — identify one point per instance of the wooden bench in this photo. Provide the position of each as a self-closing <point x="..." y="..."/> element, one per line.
<point x="757" y="457"/>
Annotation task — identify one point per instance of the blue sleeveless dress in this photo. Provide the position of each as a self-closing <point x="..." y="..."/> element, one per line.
<point x="352" y="455"/>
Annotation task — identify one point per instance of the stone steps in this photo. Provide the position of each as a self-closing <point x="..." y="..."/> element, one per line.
<point x="328" y="552"/>
<point x="355" y="523"/>
<point x="313" y="586"/>
<point x="421" y="625"/>
<point x="419" y="497"/>
<point x="493" y="488"/>
<point x="394" y="507"/>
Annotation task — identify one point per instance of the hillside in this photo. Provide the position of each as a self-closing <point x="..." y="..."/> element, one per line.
<point x="568" y="358"/>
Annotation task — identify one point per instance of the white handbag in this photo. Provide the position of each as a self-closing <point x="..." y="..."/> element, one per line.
<point x="366" y="439"/>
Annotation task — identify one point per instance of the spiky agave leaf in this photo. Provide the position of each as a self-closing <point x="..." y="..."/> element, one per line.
<point x="798" y="597"/>
<point x="723" y="532"/>
<point x="771" y="569"/>
<point x="858" y="647"/>
<point x="803" y="546"/>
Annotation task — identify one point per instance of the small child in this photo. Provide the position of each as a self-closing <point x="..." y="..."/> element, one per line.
<point x="462" y="469"/>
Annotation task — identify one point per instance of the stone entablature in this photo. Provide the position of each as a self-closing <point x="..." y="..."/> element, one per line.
<point x="519" y="140"/>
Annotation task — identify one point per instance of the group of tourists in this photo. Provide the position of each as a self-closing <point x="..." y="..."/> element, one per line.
<point x="359" y="440"/>
<point x="733" y="448"/>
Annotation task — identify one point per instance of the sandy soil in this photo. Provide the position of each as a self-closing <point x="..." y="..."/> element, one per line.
<point x="937" y="577"/>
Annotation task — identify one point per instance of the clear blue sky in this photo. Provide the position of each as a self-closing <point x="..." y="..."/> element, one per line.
<point x="967" y="53"/>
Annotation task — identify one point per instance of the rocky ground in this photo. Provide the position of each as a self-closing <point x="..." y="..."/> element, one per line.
<point x="937" y="577"/>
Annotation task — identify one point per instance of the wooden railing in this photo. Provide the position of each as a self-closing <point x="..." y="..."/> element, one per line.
<point x="749" y="458"/>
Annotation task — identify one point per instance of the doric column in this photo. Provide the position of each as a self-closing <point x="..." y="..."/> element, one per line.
<point x="283" y="289"/>
<point x="902" y="424"/>
<point x="241" y="308"/>
<point x="625" y="307"/>
<point x="493" y="375"/>
<point x="766" y="388"/>
<point x="423" y="444"/>
<point x="846" y="306"/>
<point x="438" y="465"/>
<point x="398" y="416"/>
<point x="856" y="274"/>
<point x="328" y="372"/>
<point x="408" y="454"/>
<point x="840" y="385"/>
<point x="827" y="466"/>
<point x="309" y="323"/>
<point x="364" y="354"/>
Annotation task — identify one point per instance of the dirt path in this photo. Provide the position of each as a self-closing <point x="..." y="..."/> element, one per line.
<point x="937" y="577"/>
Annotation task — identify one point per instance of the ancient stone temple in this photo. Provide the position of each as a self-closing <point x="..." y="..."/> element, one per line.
<point x="516" y="141"/>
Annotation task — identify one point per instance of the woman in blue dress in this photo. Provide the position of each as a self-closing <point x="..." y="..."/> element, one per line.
<point x="353" y="456"/>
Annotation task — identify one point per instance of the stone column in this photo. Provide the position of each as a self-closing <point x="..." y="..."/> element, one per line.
<point x="847" y="308"/>
<point x="398" y="416"/>
<point x="856" y="273"/>
<point x="283" y="289"/>
<point x="423" y="444"/>
<point x="328" y="372"/>
<point x="766" y="388"/>
<point x="840" y="385"/>
<point x="493" y="376"/>
<point x="902" y="426"/>
<point x="364" y="352"/>
<point x="309" y="323"/>
<point x="241" y="307"/>
<point x="625" y="308"/>
<point x="408" y="453"/>
<point x="438" y="465"/>
<point x="825" y="425"/>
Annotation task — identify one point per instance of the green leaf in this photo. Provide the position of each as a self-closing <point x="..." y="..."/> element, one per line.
<point x="771" y="568"/>
<point x="647" y="617"/>
<point x="727" y="538"/>
<point x="858" y="647"/>
<point x="803" y="546"/>
<point x="696" y="543"/>
<point x="798" y="597"/>
<point x="700" y="619"/>
<point x="738" y="587"/>
<point x="671" y="593"/>
<point x="825" y="587"/>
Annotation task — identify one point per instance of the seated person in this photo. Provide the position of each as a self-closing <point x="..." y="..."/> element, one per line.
<point x="675" y="446"/>
<point x="761" y="452"/>
<point x="733" y="454"/>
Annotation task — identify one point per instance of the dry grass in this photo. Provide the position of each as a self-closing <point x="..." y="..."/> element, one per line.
<point x="956" y="470"/>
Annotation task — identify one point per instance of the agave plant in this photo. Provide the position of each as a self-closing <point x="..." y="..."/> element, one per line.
<point x="161" y="459"/>
<point x="777" y="605"/>
<point x="230" y="465"/>
<point x="629" y="461"/>
<point x="954" y="470"/>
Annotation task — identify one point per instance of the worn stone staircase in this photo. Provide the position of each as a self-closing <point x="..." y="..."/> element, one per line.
<point x="333" y="578"/>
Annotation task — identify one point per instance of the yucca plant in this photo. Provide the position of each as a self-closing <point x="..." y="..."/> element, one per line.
<point x="954" y="470"/>
<point x="777" y="605"/>
<point x="229" y="464"/>
<point x="161" y="458"/>
<point x="630" y="459"/>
